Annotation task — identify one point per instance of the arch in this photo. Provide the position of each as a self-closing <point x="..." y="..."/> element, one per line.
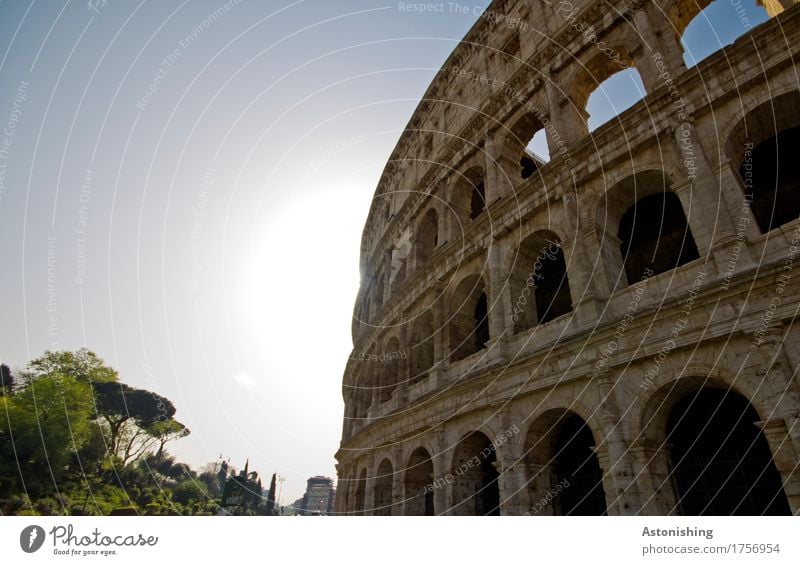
<point x="613" y="96"/>
<point x="719" y="461"/>
<point x="564" y="473"/>
<point x="523" y="146"/>
<point x="474" y="477"/>
<point x="539" y="282"/>
<point x="762" y="148"/>
<point x="360" y="496"/>
<point x="643" y="228"/>
<point x="389" y="360"/>
<point x="382" y="491"/>
<point x="468" y="198"/>
<point x="421" y="350"/>
<point x="705" y="27"/>
<point x="596" y="80"/>
<point x="419" y="484"/>
<point x="469" y="318"/>
<point x="681" y="12"/>
<point x="426" y="238"/>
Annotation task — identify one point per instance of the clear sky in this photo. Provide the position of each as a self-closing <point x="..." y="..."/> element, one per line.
<point x="185" y="193"/>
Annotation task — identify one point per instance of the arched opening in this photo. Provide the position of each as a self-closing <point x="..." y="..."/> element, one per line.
<point x="427" y="238"/>
<point x="566" y="478"/>
<point x="705" y="27"/>
<point x="419" y="484"/>
<point x="775" y="175"/>
<point x="763" y="147"/>
<point x="382" y="492"/>
<point x="642" y="228"/>
<point x="526" y="146"/>
<point x="469" y="195"/>
<point x="469" y="321"/>
<point x="539" y="282"/>
<point x="377" y="299"/>
<point x="475" y="489"/>
<point x="721" y="462"/>
<point x="422" y="348"/>
<point x="389" y="360"/>
<point x="360" y="493"/>
<point x="613" y="96"/>
<point x="655" y="235"/>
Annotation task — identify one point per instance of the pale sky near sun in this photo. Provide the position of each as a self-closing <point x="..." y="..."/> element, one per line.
<point x="187" y="200"/>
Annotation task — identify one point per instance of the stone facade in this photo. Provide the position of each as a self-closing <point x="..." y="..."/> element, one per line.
<point x="531" y="345"/>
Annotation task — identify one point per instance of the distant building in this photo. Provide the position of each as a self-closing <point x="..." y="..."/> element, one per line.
<point x="320" y="496"/>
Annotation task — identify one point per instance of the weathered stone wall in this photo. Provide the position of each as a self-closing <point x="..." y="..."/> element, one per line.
<point x="628" y="350"/>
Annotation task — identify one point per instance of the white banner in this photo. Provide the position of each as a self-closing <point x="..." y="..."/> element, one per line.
<point x="400" y="540"/>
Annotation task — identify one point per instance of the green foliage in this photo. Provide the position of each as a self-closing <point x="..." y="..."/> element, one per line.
<point x="82" y="365"/>
<point x="74" y="440"/>
<point x="189" y="492"/>
<point x="46" y="422"/>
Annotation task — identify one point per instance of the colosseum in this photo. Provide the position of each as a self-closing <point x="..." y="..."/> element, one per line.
<point x="601" y="328"/>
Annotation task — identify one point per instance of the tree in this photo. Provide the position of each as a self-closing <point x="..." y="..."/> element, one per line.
<point x="48" y="420"/>
<point x="271" y="496"/>
<point x="165" y="431"/>
<point x="68" y="422"/>
<point x="137" y="419"/>
<point x="6" y="381"/>
<point x="83" y="365"/>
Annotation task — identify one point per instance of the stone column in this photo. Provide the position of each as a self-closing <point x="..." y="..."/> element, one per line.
<point x="404" y="369"/>
<point x="369" y="488"/>
<point x="708" y="217"/>
<point x="442" y="487"/>
<point x="387" y="275"/>
<point x="565" y="126"/>
<point x="659" y="46"/>
<point x="511" y="466"/>
<point x="539" y="490"/>
<point x="779" y="387"/>
<point x="623" y="494"/>
<point x="651" y="467"/>
<point x="498" y="176"/>
<point x="499" y="290"/>
<point x="374" y="372"/>
<point x="782" y="399"/>
<point x="438" y="373"/>
<point x="785" y="458"/>
<point x="604" y="460"/>
<point x="398" y="490"/>
<point x="584" y="289"/>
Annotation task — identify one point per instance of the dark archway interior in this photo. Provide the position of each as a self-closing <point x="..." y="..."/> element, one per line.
<point x="654" y="234"/>
<point x="552" y="289"/>
<point x="383" y="490"/>
<point x="528" y="166"/>
<point x="772" y="180"/>
<point x="721" y="462"/>
<point x="475" y="488"/>
<point x="419" y="479"/>
<point x="481" y="319"/>
<point x="478" y="202"/>
<point x="469" y="323"/>
<point x="577" y="468"/>
<point x="360" y="494"/>
<point x="427" y="238"/>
